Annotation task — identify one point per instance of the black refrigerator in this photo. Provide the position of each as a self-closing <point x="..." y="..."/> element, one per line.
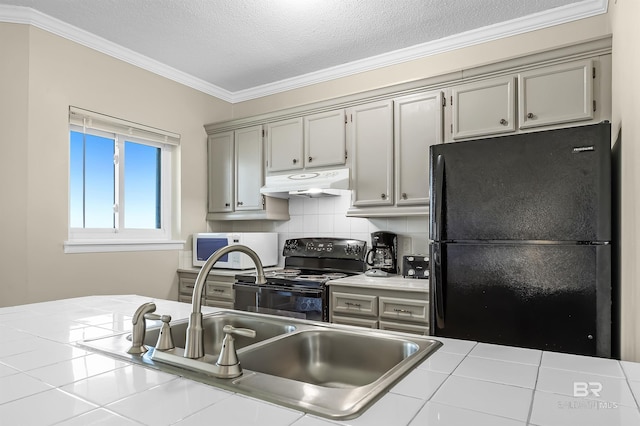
<point x="520" y="230"/>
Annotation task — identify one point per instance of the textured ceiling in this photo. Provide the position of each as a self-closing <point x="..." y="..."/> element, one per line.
<point x="241" y="45"/>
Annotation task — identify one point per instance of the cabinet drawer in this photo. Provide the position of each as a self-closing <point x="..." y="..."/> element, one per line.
<point x="404" y="309"/>
<point x="354" y="303"/>
<point x="219" y="290"/>
<point x="187" y="285"/>
<point x="422" y="330"/>
<point x="360" y="322"/>
<point x="218" y="303"/>
<point x="184" y="298"/>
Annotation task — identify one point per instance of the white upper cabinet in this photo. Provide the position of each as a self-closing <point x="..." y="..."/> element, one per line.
<point x="371" y="136"/>
<point x="221" y="176"/>
<point x="556" y="94"/>
<point x="284" y="145"/>
<point x="249" y="174"/>
<point x="483" y="108"/>
<point x="324" y="139"/>
<point x="418" y="121"/>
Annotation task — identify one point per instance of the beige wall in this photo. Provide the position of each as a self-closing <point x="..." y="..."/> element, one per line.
<point x="46" y="74"/>
<point x="626" y="116"/>
<point x="14" y="84"/>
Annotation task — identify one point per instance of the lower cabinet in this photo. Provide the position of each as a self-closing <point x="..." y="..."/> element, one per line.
<point x="396" y="310"/>
<point x="218" y="291"/>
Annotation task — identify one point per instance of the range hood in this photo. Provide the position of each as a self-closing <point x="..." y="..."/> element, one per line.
<point x="313" y="184"/>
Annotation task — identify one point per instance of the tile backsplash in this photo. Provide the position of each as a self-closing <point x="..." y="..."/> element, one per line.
<point x="326" y="217"/>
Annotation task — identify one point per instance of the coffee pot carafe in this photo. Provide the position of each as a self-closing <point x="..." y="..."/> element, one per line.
<point x="383" y="253"/>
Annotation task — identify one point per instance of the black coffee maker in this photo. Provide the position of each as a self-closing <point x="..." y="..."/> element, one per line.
<point x="384" y="252"/>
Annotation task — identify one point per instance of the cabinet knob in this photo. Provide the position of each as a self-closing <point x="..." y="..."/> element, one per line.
<point x="310" y="159"/>
<point x="240" y="203"/>
<point x="404" y="195"/>
<point x="227" y="204"/>
<point x="295" y="160"/>
<point x="503" y="122"/>
<point x="383" y="196"/>
<point x="530" y="115"/>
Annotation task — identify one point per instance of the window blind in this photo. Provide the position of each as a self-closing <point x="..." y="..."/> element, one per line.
<point x="93" y="120"/>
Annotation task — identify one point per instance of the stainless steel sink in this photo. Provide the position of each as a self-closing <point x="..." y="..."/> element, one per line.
<point x="329" y="370"/>
<point x="330" y="358"/>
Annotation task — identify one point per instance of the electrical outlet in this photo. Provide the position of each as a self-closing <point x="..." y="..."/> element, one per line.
<point x="405" y="245"/>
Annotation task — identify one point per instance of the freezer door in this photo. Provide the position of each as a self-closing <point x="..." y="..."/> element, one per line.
<point x="543" y="296"/>
<point x="551" y="185"/>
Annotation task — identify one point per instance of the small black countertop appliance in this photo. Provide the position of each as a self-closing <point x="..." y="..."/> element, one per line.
<point x="384" y="252"/>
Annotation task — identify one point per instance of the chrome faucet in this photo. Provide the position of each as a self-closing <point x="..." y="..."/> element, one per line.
<point x="194" y="346"/>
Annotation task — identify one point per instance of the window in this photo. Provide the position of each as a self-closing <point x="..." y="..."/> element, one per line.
<point x="120" y="180"/>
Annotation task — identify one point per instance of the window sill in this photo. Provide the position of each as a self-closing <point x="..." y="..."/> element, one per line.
<point x="104" y="246"/>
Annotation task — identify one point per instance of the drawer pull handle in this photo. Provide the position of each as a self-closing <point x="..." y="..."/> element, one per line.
<point x="403" y="311"/>
<point x="218" y="290"/>
<point x="357" y="305"/>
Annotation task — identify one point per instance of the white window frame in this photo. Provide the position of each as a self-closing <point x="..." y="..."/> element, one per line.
<point x="83" y="240"/>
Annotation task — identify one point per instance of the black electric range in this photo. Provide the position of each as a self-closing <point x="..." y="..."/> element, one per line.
<point x="299" y="289"/>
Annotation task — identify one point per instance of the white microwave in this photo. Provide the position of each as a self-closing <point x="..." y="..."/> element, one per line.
<point x="265" y="244"/>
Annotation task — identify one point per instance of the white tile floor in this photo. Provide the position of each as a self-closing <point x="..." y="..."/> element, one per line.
<point x="463" y="383"/>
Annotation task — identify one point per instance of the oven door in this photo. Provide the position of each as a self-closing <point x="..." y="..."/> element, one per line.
<point x="304" y="303"/>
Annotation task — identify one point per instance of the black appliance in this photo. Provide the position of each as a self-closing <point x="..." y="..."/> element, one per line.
<point x="384" y="252"/>
<point x="521" y="230"/>
<point x="299" y="289"/>
<point x="415" y="266"/>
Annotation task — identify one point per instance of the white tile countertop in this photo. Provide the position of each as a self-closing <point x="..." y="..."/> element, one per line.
<point x="46" y="379"/>
<point x="390" y="282"/>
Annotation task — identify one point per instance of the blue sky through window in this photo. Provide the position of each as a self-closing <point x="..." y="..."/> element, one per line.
<point x="92" y="183"/>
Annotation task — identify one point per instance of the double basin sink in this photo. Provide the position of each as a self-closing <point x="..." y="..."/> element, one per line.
<point x="325" y="369"/>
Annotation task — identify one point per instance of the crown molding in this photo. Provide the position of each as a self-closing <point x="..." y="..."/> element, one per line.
<point x="557" y="16"/>
<point x="29" y="16"/>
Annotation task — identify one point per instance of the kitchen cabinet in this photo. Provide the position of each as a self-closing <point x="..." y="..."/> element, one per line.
<point x="381" y="308"/>
<point x="218" y="290"/>
<point x="483" y="108"/>
<point x="235" y="175"/>
<point x="371" y="138"/>
<point x="556" y="94"/>
<point x="398" y="159"/>
<point x="284" y="145"/>
<point x="547" y="96"/>
<point x="418" y="121"/>
<point x="220" y="167"/>
<point x="316" y="140"/>
<point x="325" y="139"/>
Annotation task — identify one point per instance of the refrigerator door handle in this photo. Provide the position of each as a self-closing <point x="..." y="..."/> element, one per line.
<point x="438" y="196"/>
<point x="437" y="285"/>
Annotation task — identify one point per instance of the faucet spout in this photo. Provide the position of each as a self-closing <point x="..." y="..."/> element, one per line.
<point x="194" y="346"/>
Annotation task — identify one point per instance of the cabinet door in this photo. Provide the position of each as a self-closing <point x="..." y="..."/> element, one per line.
<point x="360" y="322"/>
<point x="417" y="125"/>
<point x="220" y="170"/>
<point x="483" y="108"/>
<point x="371" y="133"/>
<point x="554" y="95"/>
<point x="284" y="145"/>
<point x="249" y="172"/>
<point x="422" y="330"/>
<point x="324" y="139"/>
